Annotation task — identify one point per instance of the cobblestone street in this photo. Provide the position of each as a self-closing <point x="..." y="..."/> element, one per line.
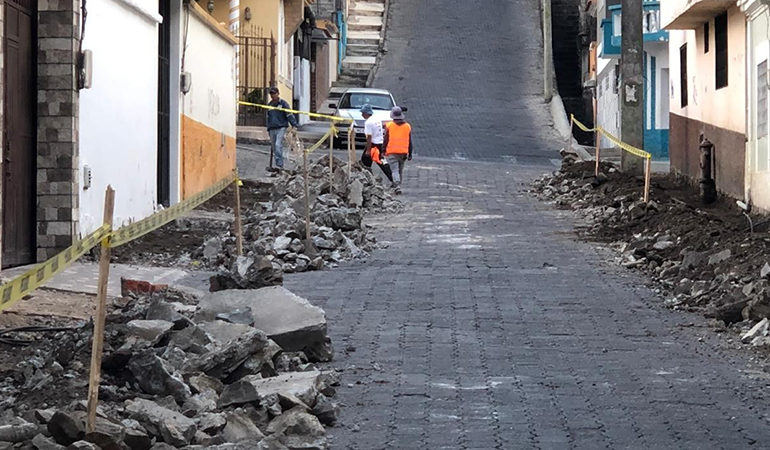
<point x="484" y="323"/>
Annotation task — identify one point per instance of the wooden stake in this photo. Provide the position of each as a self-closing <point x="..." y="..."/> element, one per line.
<point x="598" y="140"/>
<point x="571" y="131"/>
<point x="238" y="225"/>
<point x="331" y="158"/>
<point x="307" y="199"/>
<point x="97" y="346"/>
<point x="647" y="174"/>
<point x="351" y="148"/>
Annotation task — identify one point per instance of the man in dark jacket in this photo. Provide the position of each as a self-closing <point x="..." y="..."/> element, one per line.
<point x="277" y="122"/>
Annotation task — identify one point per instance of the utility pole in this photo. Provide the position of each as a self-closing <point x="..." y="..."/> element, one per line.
<point x="632" y="90"/>
<point x="547" y="52"/>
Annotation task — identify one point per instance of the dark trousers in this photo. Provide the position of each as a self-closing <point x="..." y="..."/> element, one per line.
<point x="366" y="160"/>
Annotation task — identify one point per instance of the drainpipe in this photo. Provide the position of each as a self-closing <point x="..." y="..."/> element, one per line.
<point x="547" y="52"/>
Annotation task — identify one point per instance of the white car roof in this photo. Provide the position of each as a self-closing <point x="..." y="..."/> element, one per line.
<point x="366" y="91"/>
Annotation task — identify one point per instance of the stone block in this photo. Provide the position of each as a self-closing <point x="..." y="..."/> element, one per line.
<point x="291" y="321"/>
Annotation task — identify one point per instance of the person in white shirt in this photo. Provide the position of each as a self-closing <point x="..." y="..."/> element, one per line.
<point x="373" y="152"/>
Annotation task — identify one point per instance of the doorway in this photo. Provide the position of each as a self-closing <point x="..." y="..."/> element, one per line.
<point x="164" y="104"/>
<point x="20" y="133"/>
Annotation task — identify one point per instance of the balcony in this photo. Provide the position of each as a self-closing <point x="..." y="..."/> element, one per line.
<point x="611" y="36"/>
<point x="691" y="14"/>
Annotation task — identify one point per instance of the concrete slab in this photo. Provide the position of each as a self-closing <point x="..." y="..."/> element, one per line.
<point x="291" y="321"/>
<point x="299" y="385"/>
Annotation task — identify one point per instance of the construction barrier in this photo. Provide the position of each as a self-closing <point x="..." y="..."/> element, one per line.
<point x="21" y="286"/>
<point x="598" y="132"/>
<point x="294" y="111"/>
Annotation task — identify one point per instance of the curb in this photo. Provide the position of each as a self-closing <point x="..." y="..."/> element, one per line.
<point x="383" y="44"/>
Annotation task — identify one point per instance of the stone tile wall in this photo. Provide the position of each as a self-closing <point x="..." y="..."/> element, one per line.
<point x="57" y="159"/>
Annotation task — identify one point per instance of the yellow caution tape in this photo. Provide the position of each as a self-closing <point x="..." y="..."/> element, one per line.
<point x="14" y="290"/>
<point x="136" y="230"/>
<point x="294" y="111"/>
<point x="629" y="148"/>
<point x="332" y="132"/>
<point x="580" y="125"/>
<point x="599" y="130"/>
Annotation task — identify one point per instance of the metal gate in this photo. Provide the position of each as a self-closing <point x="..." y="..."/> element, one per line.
<point x="20" y="131"/>
<point x="256" y="61"/>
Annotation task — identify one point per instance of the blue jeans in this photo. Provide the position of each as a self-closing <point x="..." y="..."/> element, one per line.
<point x="276" y="141"/>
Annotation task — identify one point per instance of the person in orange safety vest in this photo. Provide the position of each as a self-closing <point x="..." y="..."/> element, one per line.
<point x="398" y="145"/>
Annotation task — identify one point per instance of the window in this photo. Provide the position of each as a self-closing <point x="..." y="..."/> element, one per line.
<point x="720" y="46"/>
<point x="683" y="75"/>
<point x="356" y="100"/>
<point x="706" y="37"/>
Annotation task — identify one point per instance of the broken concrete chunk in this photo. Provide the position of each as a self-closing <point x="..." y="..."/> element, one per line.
<point x="137" y="439"/>
<point x="326" y="410"/>
<point x="44" y="415"/>
<point x="765" y="271"/>
<point x="192" y="339"/>
<point x="301" y="385"/>
<point x="67" y="428"/>
<point x="291" y="321"/>
<point x="170" y="426"/>
<point x="149" y="330"/>
<point x="760" y="329"/>
<point x="156" y="376"/>
<point x="82" y="445"/>
<point x="240" y="428"/>
<point x="212" y="423"/>
<point x="356" y="194"/>
<point x="296" y="422"/>
<point x="221" y="333"/>
<point x="693" y="260"/>
<point x="720" y="257"/>
<point x="199" y="403"/>
<point x="201" y="383"/>
<point x="663" y="245"/>
<point x="238" y="393"/>
<point x="239" y="316"/>
<point x="18" y="433"/>
<point x="106" y="435"/>
<point x="159" y="309"/>
<point x="295" y="442"/>
<point x="223" y="361"/>
<point x="40" y="442"/>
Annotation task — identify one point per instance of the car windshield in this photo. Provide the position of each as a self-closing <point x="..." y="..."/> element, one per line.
<point x="357" y="100"/>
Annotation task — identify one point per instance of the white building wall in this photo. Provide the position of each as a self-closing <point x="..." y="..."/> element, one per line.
<point x="210" y="59"/>
<point x="118" y="114"/>
<point x="608" y="105"/>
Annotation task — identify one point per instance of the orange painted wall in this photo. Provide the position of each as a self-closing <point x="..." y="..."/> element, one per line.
<point x="204" y="159"/>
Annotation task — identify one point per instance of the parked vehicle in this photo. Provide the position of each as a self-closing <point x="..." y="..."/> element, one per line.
<point x="351" y="102"/>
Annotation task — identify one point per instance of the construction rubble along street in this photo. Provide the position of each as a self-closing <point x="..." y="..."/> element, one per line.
<point x="274" y="228"/>
<point x="181" y="372"/>
<point x="236" y="368"/>
<point x="706" y="258"/>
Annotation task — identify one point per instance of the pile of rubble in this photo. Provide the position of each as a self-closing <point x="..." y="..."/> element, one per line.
<point x="703" y="258"/>
<point x="175" y="374"/>
<point x="274" y="231"/>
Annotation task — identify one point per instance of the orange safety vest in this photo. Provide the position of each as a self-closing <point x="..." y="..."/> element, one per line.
<point x="398" y="138"/>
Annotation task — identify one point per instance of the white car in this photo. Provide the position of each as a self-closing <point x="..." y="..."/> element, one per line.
<point x="353" y="99"/>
